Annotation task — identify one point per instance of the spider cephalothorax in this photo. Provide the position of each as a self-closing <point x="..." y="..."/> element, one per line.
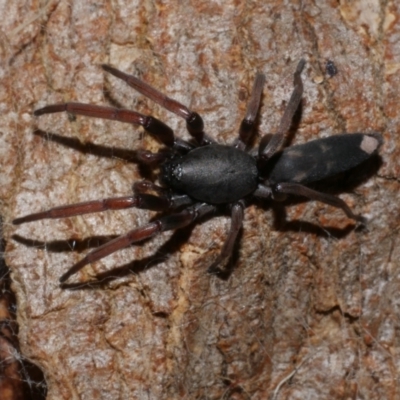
<point x="199" y="177"/>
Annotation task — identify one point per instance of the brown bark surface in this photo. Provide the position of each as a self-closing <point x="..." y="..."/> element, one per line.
<point x="311" y="308"/>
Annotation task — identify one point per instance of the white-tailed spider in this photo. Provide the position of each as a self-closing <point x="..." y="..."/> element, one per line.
<point x="200" y="177"/>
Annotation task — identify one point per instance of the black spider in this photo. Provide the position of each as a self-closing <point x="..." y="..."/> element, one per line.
<point x="201" y="177"/>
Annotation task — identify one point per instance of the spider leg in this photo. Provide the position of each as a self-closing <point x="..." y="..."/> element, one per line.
<point x="170" y="222"/>
<point x="268" y="147"/>
<point x="249" y="120"/>
<point x="300" y="190"/>
<point x="163" y="202"/>
<point x="152" y="125"/>
<point x="236" y="224"/>
<point x="194" y="122"/>
<point x="113" y="203"/>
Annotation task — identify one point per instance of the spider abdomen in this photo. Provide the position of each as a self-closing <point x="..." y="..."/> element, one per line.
<point x="215" y="174"/>
<point x="322" y="158"/>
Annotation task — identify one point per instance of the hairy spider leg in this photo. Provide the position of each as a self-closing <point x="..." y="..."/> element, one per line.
<point x="113" y="203"/>
<point x="269" y="146"/>
<point x="152" y="125"/>
<point x="169" y="222"/>
<point x="249" y="120"/>
<point x="300" y="190"/>
<point x="194" y="122"/>
<point x="237" y="213"/>
<point x="162" y="202"/>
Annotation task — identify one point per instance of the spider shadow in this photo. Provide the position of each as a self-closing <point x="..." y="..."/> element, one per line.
<point x="171" y="246"/>
<point x="346" y="182"/>
<point x="60" y="246"/>
<point x="89" y="148"/>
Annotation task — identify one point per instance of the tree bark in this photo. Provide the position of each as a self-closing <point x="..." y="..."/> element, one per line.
<point x="310" y="309"/>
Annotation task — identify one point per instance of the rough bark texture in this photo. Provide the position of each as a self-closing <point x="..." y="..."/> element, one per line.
<point x="311" y="309"/>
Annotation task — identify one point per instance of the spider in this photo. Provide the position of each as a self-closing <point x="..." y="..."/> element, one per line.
<point x="199" y="177"/>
